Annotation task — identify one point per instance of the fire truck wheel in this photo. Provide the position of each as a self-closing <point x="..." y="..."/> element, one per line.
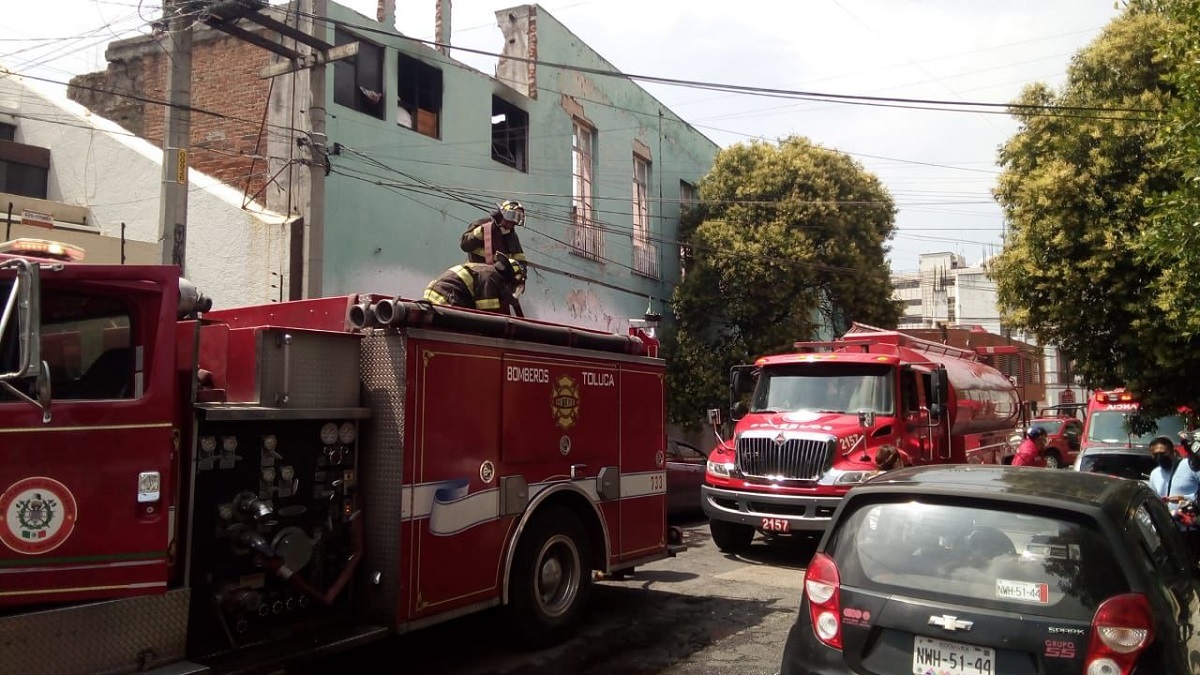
<point x="1052" y="461"/>
<point x="550" y="580"/>
<point x="731" y="537"/>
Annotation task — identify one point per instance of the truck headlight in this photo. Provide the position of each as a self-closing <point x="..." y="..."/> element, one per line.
<point x="721" y="469"/>
<point x="852" y="477"/>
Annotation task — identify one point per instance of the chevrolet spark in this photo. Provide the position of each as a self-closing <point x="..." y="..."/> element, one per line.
<point x="997" y="570"/>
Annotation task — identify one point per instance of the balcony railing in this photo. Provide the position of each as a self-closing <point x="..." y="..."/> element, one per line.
<point x="587" y="239"/>
<point x="645" y="258"/>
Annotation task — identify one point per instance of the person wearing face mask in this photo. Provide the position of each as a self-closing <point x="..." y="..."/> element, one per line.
<point x="1172" y="479"/>
<point x="496" y="233"/>
<point x="1176" y="482"/>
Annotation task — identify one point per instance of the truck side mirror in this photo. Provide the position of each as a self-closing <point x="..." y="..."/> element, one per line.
<point x="738" y="410"/>
<point x="714" y="417"/>
<point x="741" y="381"/>
<point x="940" y="384"/>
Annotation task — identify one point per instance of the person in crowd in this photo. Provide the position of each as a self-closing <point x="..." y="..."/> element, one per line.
<point x="1032" y="451"/>
<point x="889" y="457"/>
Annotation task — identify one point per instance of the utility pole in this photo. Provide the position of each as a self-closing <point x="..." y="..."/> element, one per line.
<point x="318" y="163"/>
<point x="176" y="135"/>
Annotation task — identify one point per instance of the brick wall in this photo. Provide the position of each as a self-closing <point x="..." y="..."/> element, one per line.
<point x="224" y="80"/>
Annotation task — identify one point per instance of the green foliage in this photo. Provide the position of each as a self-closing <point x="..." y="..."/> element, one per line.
<point x="1101" y="200"/>
<point x="789" y="238"/>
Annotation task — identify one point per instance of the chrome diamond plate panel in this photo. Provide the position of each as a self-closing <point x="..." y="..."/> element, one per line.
<point x="785" y="456"/>
<point x="381" y="465"/>
<point x="99" y="638"/>
<point x="315" y="370"/>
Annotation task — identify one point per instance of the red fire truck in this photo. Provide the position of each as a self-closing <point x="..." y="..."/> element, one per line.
<point x="184" y="490"/>
<point x="1104" y="422"/>
<point x="816" y="417"/>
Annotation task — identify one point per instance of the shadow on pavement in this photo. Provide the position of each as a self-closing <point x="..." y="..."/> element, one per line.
<point x="630" y="630"/>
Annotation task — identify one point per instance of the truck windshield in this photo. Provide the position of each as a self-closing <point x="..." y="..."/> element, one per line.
<point x="1108" y="426"/>
<point x="842" y="387"/>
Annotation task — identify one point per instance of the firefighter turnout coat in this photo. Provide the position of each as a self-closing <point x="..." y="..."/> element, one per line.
<point x="472" y="285"/>
<point x="474" y="241"/>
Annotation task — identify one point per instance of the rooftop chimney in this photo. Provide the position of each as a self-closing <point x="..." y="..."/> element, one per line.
<point x="441" y="26"/>
<point x="386" y="13"/>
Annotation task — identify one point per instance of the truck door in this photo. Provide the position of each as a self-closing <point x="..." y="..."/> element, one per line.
<point x="86" y="491"/>
<point x="915" y="440"/>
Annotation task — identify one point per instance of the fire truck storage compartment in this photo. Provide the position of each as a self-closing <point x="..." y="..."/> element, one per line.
<point x="293" y="368"/>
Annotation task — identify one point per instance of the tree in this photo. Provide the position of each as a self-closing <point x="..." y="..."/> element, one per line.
<point x="1076" y="188"/>
<point x="789" y="238"/>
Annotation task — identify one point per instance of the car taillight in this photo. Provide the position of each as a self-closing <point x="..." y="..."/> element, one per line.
<point x="1121" y="629"/>
<point x="821" y="586"/>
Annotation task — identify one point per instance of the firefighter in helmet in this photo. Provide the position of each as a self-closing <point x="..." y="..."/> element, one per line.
<point x="479" y="285"/>
<point x="495" y="233"/>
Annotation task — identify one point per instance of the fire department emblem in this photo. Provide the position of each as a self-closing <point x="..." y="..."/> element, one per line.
<point x="36" y="515"/>
<point x="564" y="402"/>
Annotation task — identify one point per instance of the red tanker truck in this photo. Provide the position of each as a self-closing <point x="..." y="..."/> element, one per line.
<point x="809" y="422"/>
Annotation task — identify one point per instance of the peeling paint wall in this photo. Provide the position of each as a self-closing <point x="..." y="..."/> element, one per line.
<point x="398" y="200"/>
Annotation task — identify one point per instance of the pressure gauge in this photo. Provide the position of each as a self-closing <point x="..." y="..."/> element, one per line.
<point x="229" y="443"/>
<point x="270" y="442"/>
<point x="329" y="433"/>
<point x="347" y="432"/>
<point x="208" y="444"/>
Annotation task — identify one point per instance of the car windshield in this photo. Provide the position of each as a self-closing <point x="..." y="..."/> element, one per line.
<point x="1132" y="465"/>
<point x="1108" y="426"/>
<point x="984" y="554"/>
<point x="842" y="387"/>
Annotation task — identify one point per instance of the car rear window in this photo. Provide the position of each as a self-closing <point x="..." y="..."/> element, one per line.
<point x="978" y="555"/>
<point x="1136" y="466"/>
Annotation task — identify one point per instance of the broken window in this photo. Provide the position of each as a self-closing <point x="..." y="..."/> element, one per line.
<point x="418" y="96"/>
<point x="510" y="134"/>
<point x="586" y="237"/>
<point x="24" y="169"/>
<point x="358" y="79"/>
<point x="645" y="254"/>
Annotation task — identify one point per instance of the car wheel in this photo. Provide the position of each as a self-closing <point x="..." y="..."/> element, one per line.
<point x="731" y="537"/>
<point x="550" y="581"/>
<point x="1053" y="462"/>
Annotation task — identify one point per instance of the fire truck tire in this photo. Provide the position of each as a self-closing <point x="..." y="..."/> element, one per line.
<point x="1052" y="460"/>
<point x="731" y="537"/>
<point x="550" y="581"/>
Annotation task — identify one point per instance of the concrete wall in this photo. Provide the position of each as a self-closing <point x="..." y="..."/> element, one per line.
<point x="116" y="177"/>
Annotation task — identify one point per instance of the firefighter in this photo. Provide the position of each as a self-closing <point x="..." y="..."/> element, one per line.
<point x="479" y="285"/>
<point x="495" y="233"/>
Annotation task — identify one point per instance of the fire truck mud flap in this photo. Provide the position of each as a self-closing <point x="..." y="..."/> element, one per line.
<point x="776" y="514"/>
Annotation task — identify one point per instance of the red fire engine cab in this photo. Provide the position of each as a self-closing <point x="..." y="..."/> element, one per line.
<point x="205" y="491"/>
<point x="817" y="416"/>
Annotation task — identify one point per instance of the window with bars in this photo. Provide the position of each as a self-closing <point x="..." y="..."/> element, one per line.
<point x="586" y="237"/>
<point x="645" y="253"/>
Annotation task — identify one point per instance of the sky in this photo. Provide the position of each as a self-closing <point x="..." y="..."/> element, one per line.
<point x="939" y="166"/>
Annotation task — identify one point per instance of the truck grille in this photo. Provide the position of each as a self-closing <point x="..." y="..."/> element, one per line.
<point x="794" y="458"/>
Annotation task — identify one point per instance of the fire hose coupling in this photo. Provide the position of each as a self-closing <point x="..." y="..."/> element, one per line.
<point x="248" y="503"/>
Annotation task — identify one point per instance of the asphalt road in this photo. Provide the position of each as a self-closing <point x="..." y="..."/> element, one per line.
<point x="700" y="613"/>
